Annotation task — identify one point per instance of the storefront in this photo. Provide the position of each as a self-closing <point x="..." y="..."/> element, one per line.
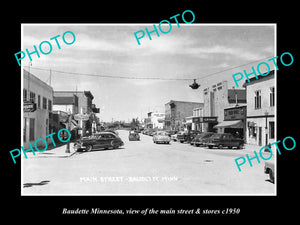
<point x="234" y="121"/>
<point x="205" y="123"/>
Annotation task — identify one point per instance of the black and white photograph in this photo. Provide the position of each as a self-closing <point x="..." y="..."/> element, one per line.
<point x="141" y="109"/>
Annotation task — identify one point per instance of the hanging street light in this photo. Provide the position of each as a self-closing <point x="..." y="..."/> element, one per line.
<point x="194" y="85"/>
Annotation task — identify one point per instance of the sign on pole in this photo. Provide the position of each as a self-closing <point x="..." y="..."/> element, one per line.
<point x="83" y="117"/>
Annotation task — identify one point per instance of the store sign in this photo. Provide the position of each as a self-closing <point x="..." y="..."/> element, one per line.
<point x="196" y="119"/>
<point x="205" y="119"/>
<point x="83" y="117"/>
<point x="210" y="119"/>
<point x="29" y="107"/>
<point x="237" y="113"/>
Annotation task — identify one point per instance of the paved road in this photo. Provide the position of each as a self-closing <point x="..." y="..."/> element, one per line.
<point x="142" y="167"/>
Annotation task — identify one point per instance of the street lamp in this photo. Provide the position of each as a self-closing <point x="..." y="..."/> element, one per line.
<point x="69" y="128"/>
<point x="194" y="85"/>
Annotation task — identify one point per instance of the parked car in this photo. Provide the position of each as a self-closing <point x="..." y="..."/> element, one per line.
<point x="191" y="135"/>
<point x="269" y="169"/>
<point x="181" y="136"/>
<point x="173" y="135"/>
<point x="112" y="131"/>
<point x="221" y="140"/>
<point x="161" y="137"/>
<point x="99" y="140"/>
<point x="201" y="139"/>
<point x="133" y="136"/>
<point x="187" y="136"/>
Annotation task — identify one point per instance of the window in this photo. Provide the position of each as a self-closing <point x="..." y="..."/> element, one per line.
<point x="49" y="105"/>
<point x="31" y="129"/>
<point x="24" y="129"/>
<point x="24" y="95"/>
<point x="47" y="127"/>
<point x="32" y="97"/>
<point x="257" y="100"/>
<point x="39" y="102"/>
<point x="44" y="103"/>
<point x="272" y="96"/>
<point x="271" y="130"/>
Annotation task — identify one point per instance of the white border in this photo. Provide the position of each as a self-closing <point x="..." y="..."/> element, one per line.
<point x="146" y="24"/>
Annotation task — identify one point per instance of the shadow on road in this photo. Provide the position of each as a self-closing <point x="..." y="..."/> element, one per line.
<point x="33" y="184"/>
<point x="268" y="180"/>
<point x="81" y="151"/>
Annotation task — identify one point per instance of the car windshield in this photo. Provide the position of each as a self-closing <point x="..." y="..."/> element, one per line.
<point x="216" y="135"/>
<point x="207" y="135"/>
<point x="161" y="133"/>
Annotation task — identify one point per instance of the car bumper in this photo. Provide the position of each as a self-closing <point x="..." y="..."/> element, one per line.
<point x="163" y="140"/>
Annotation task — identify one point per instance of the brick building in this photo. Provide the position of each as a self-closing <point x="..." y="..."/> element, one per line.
<point x="176" y="113"/>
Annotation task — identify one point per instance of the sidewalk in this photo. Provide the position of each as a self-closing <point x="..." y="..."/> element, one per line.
<point x="58" y="151"/>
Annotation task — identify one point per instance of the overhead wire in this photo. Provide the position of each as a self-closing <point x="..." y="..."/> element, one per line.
<point x="146" y="78"/>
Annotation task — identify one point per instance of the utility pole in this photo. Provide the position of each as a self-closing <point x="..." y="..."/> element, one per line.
<point x="69" y="128"/>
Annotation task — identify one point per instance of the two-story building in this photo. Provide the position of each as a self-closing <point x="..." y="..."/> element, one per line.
<point x="177" y="112"/>
<point x="36" y="120"/>
<point x="261" y="110"/>
<point x="77" y="102"/>
<point x="155" y="120"/>
<point x="217" y="98"/>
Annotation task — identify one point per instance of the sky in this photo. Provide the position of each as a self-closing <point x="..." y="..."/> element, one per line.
<point x="193" y="51"/>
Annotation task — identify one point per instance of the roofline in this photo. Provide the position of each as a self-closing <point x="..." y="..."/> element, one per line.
<point x="261" y="78"/>
<point x="173" y="101"/>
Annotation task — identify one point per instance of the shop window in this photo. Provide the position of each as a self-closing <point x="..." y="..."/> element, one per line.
<point x="271" y="129"/>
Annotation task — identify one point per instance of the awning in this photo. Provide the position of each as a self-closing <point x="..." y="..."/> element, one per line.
<point x="230" y="124"/>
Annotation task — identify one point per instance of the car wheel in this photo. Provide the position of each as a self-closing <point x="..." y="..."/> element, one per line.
<point x="89" y="148"/>
<point x="114" y="144"/>
<point x="181" y="141"/>
<point x="210" y="146"/>
<point x="220" y="146"/>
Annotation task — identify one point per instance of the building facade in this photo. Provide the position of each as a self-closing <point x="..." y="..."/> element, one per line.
<point x="261" y="110"/>
<point x="217" y="98"/>
<point x="176" y="113"/>
<point x="67" y="104"/>
<point x="78" y="102"/>
<point x="155" y="120"/>
<point x="36" y="123"/>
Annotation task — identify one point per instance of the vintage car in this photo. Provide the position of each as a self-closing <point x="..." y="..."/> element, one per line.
<point x="187" y="136"/>
<point x="133" y="136"/>
<point x="161" y="137"/>
<point x="221" y="140"/>
<point x="191" y="135"/>
<point x="200" y="139"/>
<point x="269" y="169"/>
<point x="181" y="136"/>
<point x="99" y="140"/>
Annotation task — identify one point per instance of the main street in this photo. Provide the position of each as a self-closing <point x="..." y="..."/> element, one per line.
<point x="142" y="168"/>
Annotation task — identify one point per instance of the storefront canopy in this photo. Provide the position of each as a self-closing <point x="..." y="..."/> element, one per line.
<point x="230" y="124"/>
